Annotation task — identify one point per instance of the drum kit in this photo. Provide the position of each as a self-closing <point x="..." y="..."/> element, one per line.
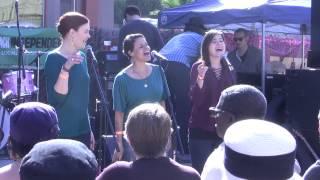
<point x="9" y="97"/>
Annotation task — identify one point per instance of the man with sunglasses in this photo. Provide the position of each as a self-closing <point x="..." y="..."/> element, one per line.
<point x="245" y="58"/>
<point x="236" y="103"/>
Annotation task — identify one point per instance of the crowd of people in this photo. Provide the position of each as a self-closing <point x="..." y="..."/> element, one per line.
<point x="223" y="124"/>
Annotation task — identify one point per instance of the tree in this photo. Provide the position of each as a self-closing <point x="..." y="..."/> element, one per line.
<point x="174" y="3"/>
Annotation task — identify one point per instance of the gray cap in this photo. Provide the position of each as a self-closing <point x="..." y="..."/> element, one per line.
<point x="61" y="159"/>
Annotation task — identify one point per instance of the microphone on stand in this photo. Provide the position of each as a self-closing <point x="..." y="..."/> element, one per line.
<point x="90" y="53"/>
<point x="158" y="56"/>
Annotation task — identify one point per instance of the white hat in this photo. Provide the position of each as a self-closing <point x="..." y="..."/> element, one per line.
<point x="256" y="149"/>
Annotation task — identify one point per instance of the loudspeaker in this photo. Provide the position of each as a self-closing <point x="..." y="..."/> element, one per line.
<point x="314" y="59"/>
<point x="303" y="103"/>
<point x="108" y="62"/>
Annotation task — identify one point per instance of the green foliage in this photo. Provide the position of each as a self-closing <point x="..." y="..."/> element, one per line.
<point x="119" y="6"/>
<point x="174" y="3"/>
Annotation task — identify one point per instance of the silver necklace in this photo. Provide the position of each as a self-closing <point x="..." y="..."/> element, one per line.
<point x="142" y="77"/>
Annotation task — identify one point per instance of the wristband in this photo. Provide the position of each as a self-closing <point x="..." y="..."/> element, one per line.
<point x="65" y="69"/>
<point x="119" y="132"/>
<point x="64" y="76"/>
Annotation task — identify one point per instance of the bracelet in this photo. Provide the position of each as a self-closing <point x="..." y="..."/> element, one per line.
<point x="64" y="76"/>
<point x="201" y="78"/>
<point x="65" y="69"/>
<point x="119" y="132"/>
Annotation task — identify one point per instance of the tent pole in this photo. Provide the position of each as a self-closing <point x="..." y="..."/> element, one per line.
<point x="303" y="60"/>
<point x="263" y="59"/>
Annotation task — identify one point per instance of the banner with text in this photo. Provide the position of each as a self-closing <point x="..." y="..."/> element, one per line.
<point x="37" y="42"/>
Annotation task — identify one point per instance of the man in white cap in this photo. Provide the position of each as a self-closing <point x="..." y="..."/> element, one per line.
<point x="256" y="149"/>
<point x="236" y="103"/>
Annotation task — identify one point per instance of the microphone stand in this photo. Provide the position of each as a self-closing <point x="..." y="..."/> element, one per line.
<point x="174" y="120"/>
<point x="104" y="105"/>
<point x="20" y="46"/>
<point x="37" y="61"/>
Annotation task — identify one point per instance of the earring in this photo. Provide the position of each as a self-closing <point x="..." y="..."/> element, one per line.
<point x="72" y="42"/>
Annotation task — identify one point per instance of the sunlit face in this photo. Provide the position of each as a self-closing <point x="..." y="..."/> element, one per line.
<point x="81" y="36"/>
<point x="141" y="50"/>
<point x="240" y="39"/>
<point x="217" y="47"/>
<point x="223" y="119"/>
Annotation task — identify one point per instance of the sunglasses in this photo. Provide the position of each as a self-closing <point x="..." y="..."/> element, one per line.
<point x="217" y="113"/>
<point x="238" y="39"/>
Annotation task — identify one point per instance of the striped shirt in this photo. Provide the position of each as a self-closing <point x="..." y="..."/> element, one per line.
<point x="183" y="48"/>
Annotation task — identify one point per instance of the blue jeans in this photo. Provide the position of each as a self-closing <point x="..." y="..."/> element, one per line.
<point x="200" y="149"/>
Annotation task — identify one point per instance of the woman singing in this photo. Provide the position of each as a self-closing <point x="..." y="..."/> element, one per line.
<point x="209" y="76"/>
<point x="138" y="83"/>
<point x="67" y="78"/>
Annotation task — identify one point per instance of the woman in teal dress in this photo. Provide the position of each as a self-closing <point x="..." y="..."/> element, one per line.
<point x="67" y="79"/>
<point x="138" y="83"/>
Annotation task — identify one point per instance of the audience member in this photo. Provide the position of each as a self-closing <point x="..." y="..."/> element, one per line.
<point x="209" y="76"/>
<point x="30" y="123"/>
<point x="148" y="130"/>
<point x="245" y="58"/>
<point x="236" y="103"/>
<point x="182" y="51"/>
<point x="59" y="159"/>
<point x="256" y="149"/>
<point x="134" y="24"/>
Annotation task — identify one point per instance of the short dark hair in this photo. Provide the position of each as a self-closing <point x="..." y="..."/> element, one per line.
<point x="195" y="24"/>
<point x="131" y="10"/>
<point x="205" y="56"/>
<point x="148" y="129"/>
<point x="128" y="43"/>
<point x="244" y="31"/>
<point x="70" y="20"/>
<point x="17" y="148"/>
<point x="243" y="101"/>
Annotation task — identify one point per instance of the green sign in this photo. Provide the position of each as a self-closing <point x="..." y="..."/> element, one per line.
<point x="37" y="42"/>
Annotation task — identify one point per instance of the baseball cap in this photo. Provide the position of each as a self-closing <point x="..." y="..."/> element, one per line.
<point x="32" y="122"/>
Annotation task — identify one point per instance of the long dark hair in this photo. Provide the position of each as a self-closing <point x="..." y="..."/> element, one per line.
<point x="205" y="57"/>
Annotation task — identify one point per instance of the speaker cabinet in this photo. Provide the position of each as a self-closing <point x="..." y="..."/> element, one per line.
<point x="303" y="103"/>
<point x="314" y="59"/>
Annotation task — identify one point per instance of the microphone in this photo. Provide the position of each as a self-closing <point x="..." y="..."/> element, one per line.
<point x="158" y="56"/>
<point x="90" y="53"/>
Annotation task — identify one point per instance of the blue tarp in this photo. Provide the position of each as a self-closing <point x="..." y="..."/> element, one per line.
<point x="214" y="12"/>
